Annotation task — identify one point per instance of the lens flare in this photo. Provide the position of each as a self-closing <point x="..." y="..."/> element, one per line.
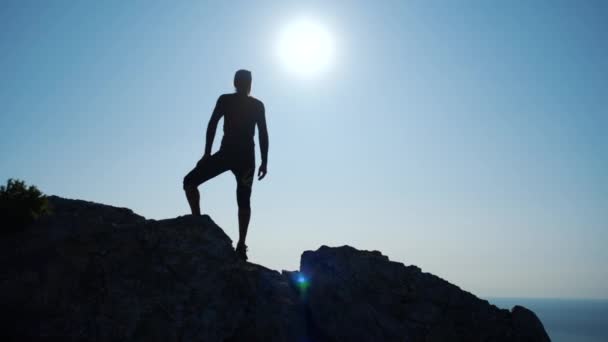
<point x="302" y="282"/>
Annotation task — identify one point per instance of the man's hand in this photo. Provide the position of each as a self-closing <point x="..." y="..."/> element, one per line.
<point x="262" y="171"/>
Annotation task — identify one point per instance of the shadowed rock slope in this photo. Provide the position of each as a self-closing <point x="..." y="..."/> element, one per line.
<point x="96" y="272"/>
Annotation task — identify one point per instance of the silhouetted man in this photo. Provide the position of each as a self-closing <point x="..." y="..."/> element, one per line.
<point x="241" y="114"/>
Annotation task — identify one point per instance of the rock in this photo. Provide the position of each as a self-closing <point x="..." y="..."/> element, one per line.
<point x="528" y="325"/>
<point x="96" y="272"/>
<point x="363" y="296"/>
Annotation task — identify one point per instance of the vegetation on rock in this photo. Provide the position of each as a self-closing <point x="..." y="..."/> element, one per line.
<point x="20" y="205"/>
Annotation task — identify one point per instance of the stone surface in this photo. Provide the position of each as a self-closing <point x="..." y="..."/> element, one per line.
<point x="96" y="272"/>
<point x="363" y="296"/>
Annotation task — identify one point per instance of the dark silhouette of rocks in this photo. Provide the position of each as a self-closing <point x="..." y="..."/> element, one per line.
<point x="363" y="296"/>
<point x="96" y="272"/>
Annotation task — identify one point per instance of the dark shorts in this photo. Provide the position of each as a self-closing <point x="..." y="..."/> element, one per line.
<point x="242" y="166"/>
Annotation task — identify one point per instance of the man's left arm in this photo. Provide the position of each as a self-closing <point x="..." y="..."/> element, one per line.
<point x="263" y="136"/>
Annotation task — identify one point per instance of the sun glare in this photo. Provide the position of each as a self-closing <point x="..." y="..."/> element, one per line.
<point x="305" y="48"/>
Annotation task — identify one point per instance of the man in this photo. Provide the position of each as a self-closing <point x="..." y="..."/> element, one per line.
<point x="241" y="114"/>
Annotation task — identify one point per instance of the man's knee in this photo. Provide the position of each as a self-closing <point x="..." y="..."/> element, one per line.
<point x="188" y="184"/>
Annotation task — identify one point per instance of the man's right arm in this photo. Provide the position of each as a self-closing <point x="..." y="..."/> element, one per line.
<point x="212" y="126"/>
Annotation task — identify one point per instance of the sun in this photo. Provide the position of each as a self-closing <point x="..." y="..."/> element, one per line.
<point x="305" y="48"/>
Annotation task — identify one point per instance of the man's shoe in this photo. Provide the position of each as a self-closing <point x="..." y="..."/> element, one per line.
<point x="241" y="252"/>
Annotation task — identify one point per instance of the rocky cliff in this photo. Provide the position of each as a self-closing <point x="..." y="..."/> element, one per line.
<point x="96" y="272"/>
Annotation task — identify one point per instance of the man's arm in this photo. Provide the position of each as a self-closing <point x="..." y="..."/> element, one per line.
<point x="212" y="127"/>
<point x="263" y="136"/>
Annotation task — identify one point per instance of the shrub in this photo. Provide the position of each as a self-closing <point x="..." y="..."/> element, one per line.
<point x="20" y="205"/>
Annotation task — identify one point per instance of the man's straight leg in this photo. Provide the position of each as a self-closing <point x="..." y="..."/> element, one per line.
<point x="244" y="178"/>
<point x="244" y="217"/>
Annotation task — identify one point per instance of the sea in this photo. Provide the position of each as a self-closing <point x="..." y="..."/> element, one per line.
<point x="566" y="320"/>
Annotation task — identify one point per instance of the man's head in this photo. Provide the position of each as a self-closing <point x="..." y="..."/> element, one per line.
<point x="242" y="81"/>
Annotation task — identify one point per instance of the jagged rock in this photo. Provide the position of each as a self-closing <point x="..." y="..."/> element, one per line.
<point x="363" y="296"/>
<point x="96" y="272"/>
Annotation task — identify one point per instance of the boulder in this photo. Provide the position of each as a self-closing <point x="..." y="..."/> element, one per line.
<point x="355" y="295"/>
<point x="95" y="272"/>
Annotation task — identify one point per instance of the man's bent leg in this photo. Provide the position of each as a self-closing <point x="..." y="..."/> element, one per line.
<point x="204" y="170"/>
<point x="194" y="199"/>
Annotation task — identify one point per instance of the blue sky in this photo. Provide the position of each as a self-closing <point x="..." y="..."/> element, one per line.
<point x="466" y="137"/>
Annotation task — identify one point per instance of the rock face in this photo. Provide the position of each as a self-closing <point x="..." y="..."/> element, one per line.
<point x="362" y="296"/>
<point x="95" y="272"/>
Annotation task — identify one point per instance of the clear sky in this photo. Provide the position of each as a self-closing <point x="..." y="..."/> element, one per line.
<point x="465" y="137"/>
